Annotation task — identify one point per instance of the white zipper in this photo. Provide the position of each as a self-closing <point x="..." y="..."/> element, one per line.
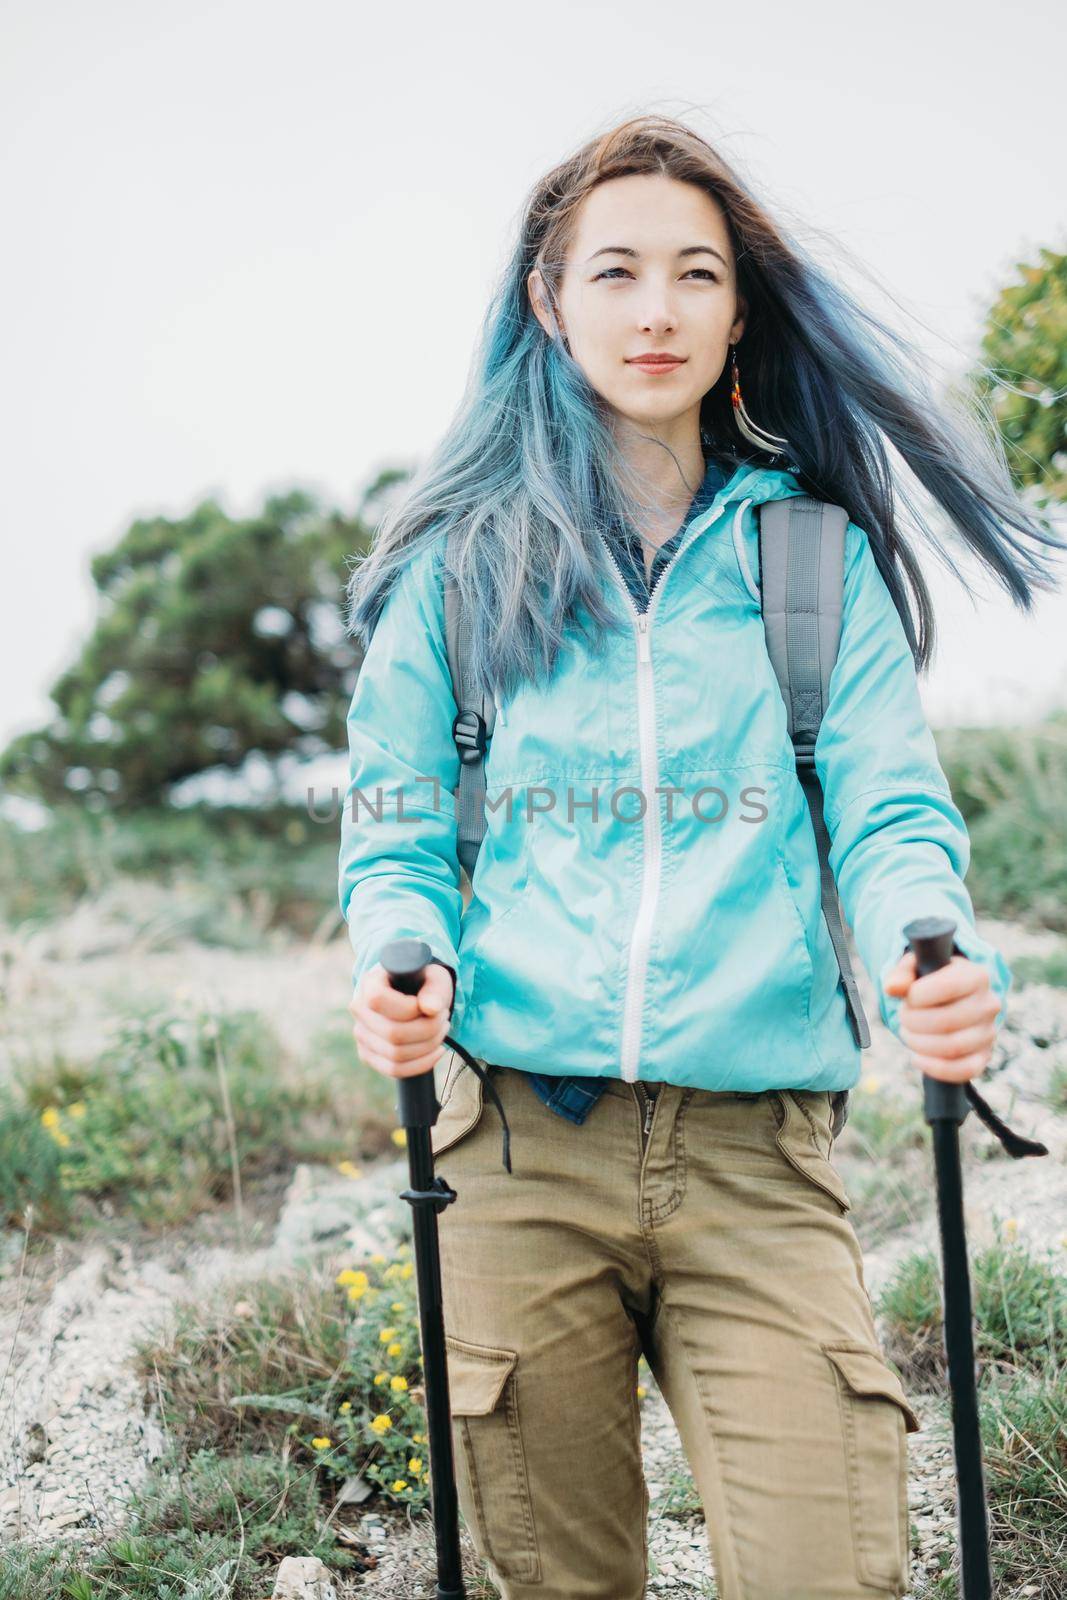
<point x="641" y="937"/>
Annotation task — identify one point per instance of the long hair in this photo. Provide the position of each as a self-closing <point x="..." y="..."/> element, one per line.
<point x="530" y="467"/>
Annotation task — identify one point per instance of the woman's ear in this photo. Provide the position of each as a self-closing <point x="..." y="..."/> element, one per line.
<point x="738" y="327"/>
<point x="535" y="289"/>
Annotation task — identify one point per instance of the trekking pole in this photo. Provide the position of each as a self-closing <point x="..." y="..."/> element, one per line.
<point x="945" y="1105"/>
<point x="404" y="962"/>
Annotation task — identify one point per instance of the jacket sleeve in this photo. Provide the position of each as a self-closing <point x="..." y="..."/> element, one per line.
<point x="899" y="845"/>
<point x="398" y="871"/>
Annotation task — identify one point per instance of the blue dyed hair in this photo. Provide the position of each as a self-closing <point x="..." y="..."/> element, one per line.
<point x="530" y="467"/>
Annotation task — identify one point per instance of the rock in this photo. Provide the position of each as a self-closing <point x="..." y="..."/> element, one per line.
<point x="303" y="1578"/>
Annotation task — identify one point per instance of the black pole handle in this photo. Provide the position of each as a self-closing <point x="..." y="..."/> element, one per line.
<point x="933" y="941"/>
<point x="404" y="962"/>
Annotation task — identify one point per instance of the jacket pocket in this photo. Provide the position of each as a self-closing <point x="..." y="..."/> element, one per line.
<point x="804" y="962"/>
<point x="484" y="1402"/>
<point x="803" y="1117"/>
<point x="875" y="1418"/>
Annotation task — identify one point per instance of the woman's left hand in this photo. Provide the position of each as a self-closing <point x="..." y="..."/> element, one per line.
<point x="947" y="1017"/>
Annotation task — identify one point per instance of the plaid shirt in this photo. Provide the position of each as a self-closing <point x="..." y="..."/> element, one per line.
<point x="574" y="1098"/>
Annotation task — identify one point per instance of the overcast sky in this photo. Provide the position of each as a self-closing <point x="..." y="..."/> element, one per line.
<point x="249" y="245"/>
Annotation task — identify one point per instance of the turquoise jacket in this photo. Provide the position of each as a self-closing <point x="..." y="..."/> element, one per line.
<point x="646" y="901"/>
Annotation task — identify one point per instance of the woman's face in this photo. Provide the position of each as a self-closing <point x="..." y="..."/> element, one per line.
<point x="649" y="269"/>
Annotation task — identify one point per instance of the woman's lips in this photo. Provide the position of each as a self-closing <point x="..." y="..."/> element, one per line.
<point x="655" y="366"/>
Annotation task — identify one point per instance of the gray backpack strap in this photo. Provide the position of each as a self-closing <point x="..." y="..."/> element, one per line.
<point x="802" y="566"/>
<point x="472" y="728"/>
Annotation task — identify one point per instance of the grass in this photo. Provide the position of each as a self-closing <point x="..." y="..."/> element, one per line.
<point x="883" y="1152"/>
<point x="168" y="1119"/>
<point x="1019" y="1303"/>
<point x="1051" y="968"/>
<point x="1023" y="1426"/>
<point x="1009" y="785"/>
<point x="1023" y="1419"/>
<point x="214" y="1528"/>
<point x="237" y="872"/>
<point x="1020" y="1323"/>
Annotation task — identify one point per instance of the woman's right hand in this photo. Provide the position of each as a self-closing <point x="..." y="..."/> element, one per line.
<point x="400" y="1035"/>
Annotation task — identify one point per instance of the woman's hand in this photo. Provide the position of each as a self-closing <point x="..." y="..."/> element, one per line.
<point x="400" y="1035"/>
<point x="947" y="1017"/>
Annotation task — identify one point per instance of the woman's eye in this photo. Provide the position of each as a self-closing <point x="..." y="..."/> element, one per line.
<point x="707" y="272"/>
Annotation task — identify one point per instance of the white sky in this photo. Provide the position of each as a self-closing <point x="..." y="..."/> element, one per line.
<point x="250" y="246"/>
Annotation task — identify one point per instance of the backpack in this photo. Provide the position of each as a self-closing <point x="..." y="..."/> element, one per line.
<point x="801" y="580"/>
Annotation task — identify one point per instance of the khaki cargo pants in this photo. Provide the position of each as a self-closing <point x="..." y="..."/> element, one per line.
<point x="719" y="1246"/>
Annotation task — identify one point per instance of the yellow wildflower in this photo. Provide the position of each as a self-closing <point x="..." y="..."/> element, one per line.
<point x="321" y="1444"/>
<point x="346" y="1405"/>
<point x="50" y="1116"/>
<point x="1011" y="1227"/>
<point x="349" y="1275"/>
<point x="60" y="1137"/>
<point x="418" y="1438"/>
<point x="381" y="1377"/>
<point x="397" y="1305"/>
<point x="386" y="1334"/>
<point x="641" y="1391"/>
<point x="393" y="1349"/>
<point x="77" y="1108"/>
<point x="398" y="1382"/>
<point x="407" y="1269"/>
<point x="356" y="1292"/>
<point x="400" y="1483"/>
<point x="348" y="1169"/>
<point x="400" y="1136"/>
<point x="377" y="1258"/>
<point x="391" y="1273"/>
<point x="415" y="1465"/>
<point x="382" y="1423"/>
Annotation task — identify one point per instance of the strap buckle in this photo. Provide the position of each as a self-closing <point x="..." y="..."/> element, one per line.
<point x="469" y="734"/>
<point x="805" y="756"/>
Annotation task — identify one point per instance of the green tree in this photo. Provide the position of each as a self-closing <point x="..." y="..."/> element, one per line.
<point x="1025" y="351"/>
<point x="215" y="638"/>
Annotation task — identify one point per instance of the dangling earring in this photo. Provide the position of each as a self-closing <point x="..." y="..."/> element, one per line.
<point x="771" y="442"/>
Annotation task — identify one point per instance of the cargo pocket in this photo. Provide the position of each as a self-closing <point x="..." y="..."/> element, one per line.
<point x="484" y="1401"/>
<point x="875" y="1418"/>
<point x="804" y="1137"/>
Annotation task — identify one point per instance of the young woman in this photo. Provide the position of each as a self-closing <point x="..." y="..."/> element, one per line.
<point x="643" y="971"/>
